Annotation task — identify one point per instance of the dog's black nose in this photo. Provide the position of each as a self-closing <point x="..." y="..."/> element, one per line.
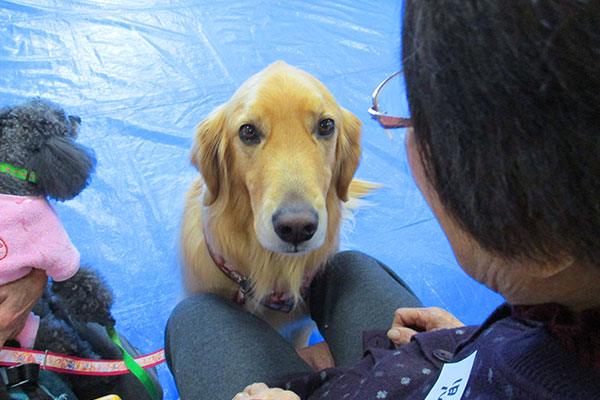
<point x="295" y="225"/>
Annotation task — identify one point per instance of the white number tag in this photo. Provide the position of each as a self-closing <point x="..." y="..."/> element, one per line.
<point x="453" y="380"/>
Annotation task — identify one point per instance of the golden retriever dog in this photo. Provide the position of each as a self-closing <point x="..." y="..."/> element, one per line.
<point x="276" y="162"/>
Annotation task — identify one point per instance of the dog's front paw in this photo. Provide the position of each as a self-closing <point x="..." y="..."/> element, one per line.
<point x="84" y="297"/>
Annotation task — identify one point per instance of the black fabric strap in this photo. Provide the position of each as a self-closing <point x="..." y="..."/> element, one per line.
<point x="19" y="375"/>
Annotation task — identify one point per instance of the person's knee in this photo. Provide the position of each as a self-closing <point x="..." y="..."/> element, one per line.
<point x="356" y="269"/>
<point x="352" y="255"/>
<point x="194" y="316"/>
<point x="195" y="310"/>
<point x="351" y="264"/>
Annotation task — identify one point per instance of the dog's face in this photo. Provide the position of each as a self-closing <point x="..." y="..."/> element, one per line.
<point x="283" y="144"/>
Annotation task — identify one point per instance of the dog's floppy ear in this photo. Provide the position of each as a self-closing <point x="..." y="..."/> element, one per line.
<point x="208" y="152"/>
<point x="62" y="167"/>
<point x="348" y="153"/>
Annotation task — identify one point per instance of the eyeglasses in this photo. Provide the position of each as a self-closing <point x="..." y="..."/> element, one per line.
<point x="387" y="121"/>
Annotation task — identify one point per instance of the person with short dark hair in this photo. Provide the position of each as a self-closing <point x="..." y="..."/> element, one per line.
<point x="504" y="143"/>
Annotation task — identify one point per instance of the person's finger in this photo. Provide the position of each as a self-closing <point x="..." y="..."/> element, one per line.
<point x="439" y="318"/>
<point x="256" y="388"/>
<point x="400" y="335"/>
<point x="410" y="317"/>
<point x="3" y="337"/>
<point x="12" y="329"/>
<point x="241" y="396"/>
<point x="425" y="319"/>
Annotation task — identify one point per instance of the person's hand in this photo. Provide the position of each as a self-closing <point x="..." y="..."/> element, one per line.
<point x="17" y="298"/>
<point x="260" y="391"/>
<point x="317" y="355"/>
<point x="409" y="321"/>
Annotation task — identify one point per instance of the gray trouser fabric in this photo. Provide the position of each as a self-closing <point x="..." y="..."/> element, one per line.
<point x="214" y="348"/>
<point x="355" y="293"/>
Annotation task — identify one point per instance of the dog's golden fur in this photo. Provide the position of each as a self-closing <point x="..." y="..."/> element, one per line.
<point x="242" y="185"/>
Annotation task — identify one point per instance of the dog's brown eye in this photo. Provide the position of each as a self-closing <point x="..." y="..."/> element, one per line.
<point x="326" y="127"/>
<point x="249" y="134"/>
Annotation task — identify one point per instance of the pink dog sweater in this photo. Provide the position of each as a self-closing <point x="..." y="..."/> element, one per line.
<point x="32" y="236"/>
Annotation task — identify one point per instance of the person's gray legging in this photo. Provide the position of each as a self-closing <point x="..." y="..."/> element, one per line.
<point x="214" y="348"/>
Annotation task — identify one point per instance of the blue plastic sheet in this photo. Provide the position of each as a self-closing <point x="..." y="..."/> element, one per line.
<point x="143" y="74"/>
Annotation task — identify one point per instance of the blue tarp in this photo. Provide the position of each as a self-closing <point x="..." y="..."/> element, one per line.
<point x="142" y="75"/>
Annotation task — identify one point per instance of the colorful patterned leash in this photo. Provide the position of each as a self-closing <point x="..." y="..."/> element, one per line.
<point x="74" y="365"/>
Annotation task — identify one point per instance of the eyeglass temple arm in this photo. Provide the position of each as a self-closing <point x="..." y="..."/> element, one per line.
<point x="377" y="90"/>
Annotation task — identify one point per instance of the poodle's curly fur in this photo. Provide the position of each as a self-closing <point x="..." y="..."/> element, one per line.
<point x="40" y="137"/>
<point x="73" y="314"/>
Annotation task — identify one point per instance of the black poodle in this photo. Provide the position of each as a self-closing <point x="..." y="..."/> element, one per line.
<point x="40" y="158"/>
